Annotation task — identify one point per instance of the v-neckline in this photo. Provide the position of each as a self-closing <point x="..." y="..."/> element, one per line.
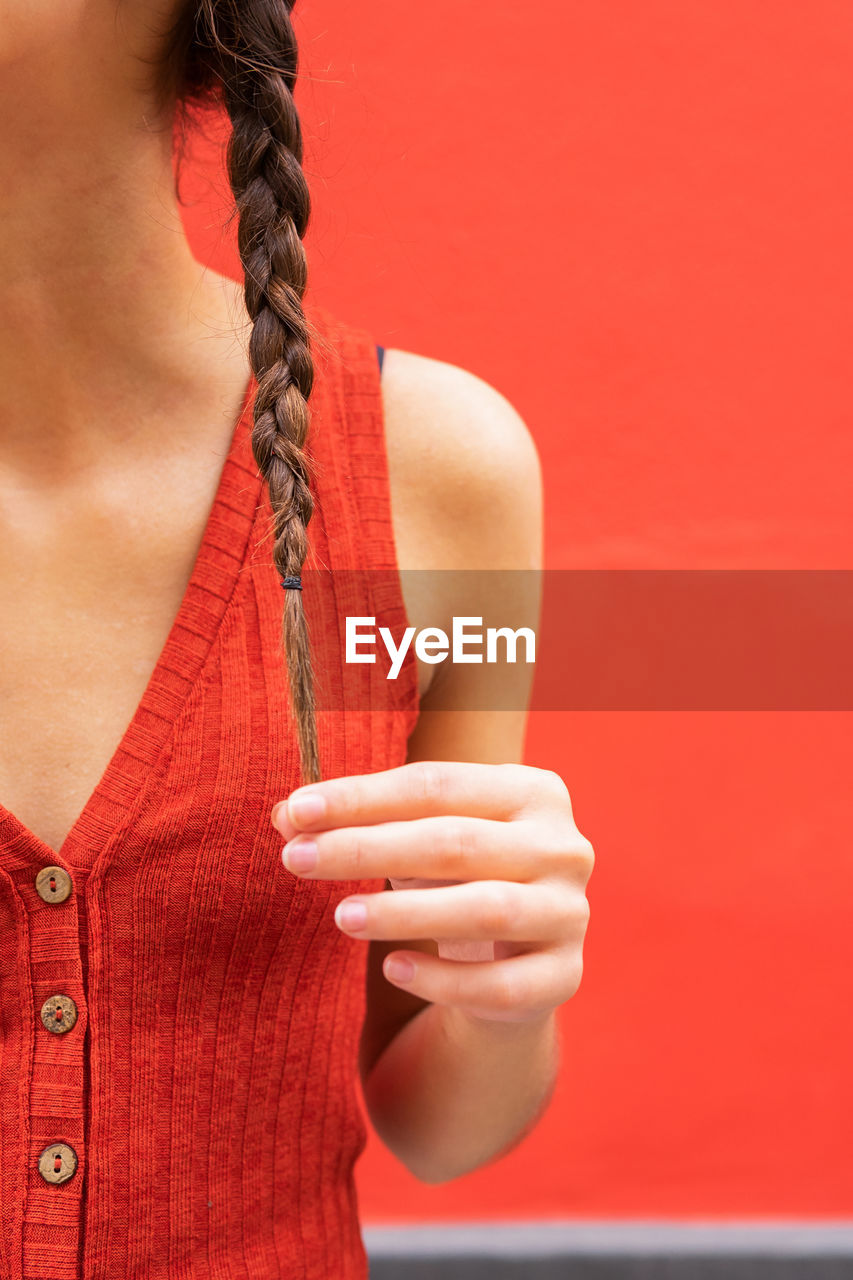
<point x="216" y="569"/>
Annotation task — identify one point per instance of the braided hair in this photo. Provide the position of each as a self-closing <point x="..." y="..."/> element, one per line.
<point x="242" y="54"/>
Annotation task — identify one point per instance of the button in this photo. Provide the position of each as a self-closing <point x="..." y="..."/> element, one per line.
<point x="58" y="1163"/>
<point x="59" y="1014"/>
<point x="53" y="884"/>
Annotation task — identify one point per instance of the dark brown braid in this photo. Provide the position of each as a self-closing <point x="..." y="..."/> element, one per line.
<point x="243" y="53"/>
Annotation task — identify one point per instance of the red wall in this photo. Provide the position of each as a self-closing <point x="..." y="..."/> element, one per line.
<point x="634" y="220"/>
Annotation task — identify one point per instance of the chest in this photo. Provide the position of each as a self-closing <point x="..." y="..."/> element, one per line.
<point x="89" y="593"/>
<point x="87" y="600"/>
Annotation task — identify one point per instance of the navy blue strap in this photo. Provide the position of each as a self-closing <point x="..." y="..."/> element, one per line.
<point x="380" y="353"/>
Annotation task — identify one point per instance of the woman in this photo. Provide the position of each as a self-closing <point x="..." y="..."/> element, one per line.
<point x="183" y="1012"/>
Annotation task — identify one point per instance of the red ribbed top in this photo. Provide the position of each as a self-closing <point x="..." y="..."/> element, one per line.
<point x="209" y="1084"/>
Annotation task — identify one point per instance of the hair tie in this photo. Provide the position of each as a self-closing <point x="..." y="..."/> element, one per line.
<point x="295" y="583"/>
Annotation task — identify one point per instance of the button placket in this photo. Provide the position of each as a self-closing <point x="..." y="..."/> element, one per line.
<point x="54" y="1184"/>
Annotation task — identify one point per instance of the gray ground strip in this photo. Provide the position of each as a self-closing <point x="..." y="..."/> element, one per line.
<point x="602" y="1250"/>
<point x="540" y="1239"/>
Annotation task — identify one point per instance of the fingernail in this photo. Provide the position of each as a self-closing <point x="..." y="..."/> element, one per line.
<point x="399" y="970"/>
<point x="300" y="855"/>
<point x="306" y="806"/>
<point x="351" y="915"/>
<point x="275" y="811"/>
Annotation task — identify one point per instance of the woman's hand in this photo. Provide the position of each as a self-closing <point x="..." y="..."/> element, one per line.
<point x="485" y="859"/>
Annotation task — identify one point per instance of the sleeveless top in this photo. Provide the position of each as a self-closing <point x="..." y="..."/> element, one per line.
<point x="208" y="1086"/>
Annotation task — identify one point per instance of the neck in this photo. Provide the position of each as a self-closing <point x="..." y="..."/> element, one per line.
<point x="100" y="295"/>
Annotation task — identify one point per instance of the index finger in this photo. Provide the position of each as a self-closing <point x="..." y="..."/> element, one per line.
<point x="419" y="789"/>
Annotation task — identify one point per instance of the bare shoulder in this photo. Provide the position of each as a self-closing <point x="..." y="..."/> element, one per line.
<point x="466" y="484"/>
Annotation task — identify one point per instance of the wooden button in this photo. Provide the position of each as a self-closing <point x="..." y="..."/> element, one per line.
<point x="53" y="884"/>
<point x="58" y="1163"/>
<point x="59" y="1014"/>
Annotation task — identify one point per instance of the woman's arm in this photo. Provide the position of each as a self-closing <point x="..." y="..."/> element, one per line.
<point x="453" y="1077"/>
<point x="443" y="1093"/>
